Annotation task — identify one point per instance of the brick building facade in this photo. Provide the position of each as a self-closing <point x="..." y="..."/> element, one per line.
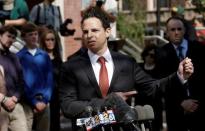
<point x="71" y="9"/>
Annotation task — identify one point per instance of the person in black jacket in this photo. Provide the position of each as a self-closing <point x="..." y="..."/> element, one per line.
<point x="185" y="106"/>
<point x="80" y="80"/>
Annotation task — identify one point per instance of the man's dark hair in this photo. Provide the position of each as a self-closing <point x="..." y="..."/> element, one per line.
<point x="12" y="30"/>
<point x="27" y="28"/>
<point x="176" y="18"/>
<point x="98" y="13"/>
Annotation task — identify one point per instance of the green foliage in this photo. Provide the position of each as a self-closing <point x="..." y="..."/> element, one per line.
<point x="132" y="25"/>
<point x="200" y="5"/>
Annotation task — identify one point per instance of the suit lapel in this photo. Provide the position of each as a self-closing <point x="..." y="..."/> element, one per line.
<point x="172" y="53"/>
<point x="88" y="70"/>
<point x="116" y="69"/>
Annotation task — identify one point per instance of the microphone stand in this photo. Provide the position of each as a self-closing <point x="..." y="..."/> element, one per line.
<point x="136" y="128"/>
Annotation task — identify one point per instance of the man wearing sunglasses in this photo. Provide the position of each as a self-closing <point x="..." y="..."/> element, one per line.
<point x="185" y="110"/>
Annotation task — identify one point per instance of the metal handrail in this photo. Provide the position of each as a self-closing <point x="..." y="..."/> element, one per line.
<point x="157" y="37"/>
<point x="132" y="44"/>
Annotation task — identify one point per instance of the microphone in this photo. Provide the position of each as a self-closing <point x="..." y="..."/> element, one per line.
<point x="89" y="110"/>
<point x="123" y="112"/>
<point x="140" y="112"/>
<point x="145" y="114"/>
<point x="87" y="123"/>
<point x="149" y="113"/>
<point x="101" y="119"/>
<point x="141" y="116"/>
<point x="96" y="119"/>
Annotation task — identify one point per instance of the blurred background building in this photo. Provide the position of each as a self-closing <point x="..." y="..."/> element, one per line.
<point x="156" y="13"/>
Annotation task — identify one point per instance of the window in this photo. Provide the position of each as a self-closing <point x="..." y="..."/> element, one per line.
<point x="164" y="3"/>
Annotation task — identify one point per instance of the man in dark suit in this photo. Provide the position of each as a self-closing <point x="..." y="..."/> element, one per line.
<point x="81" y="84"/>
<point x="184" y="106"/>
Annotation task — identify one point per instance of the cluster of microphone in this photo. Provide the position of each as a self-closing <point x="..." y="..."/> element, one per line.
<point x="96" y="118"/>
<point x="116" y="111"/>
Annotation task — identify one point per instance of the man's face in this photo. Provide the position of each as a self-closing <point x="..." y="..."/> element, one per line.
<point x="94" y="35"/>
<point x="31" y="39"/>
<point x="175" y="31"/>
<point x="7" y="39"/>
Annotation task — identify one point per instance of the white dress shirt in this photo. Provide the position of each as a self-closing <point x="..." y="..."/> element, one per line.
<point x="96" y="65"/>
<point x="184" y="46"/>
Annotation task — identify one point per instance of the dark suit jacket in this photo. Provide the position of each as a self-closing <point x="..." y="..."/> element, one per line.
<point x="79" y="87"/>
<point x="176" y="118"/>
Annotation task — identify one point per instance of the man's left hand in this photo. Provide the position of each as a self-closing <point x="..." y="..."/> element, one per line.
<point x="186" y="69"/>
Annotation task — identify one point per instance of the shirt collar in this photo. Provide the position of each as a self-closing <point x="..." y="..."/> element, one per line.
<point x="184" y="44"/>
<point x="25" y="50"/>
<point x="94" y="57"/>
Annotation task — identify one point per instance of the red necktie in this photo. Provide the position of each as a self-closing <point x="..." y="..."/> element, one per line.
<point x="103" y="77"/>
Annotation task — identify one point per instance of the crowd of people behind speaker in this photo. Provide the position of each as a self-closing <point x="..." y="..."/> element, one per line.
<point x="35" y="99"/>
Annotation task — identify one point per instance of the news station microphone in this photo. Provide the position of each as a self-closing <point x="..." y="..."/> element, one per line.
<point x="141" y="116"/>
<point x="145" y="115"/>
<point x="123" y="112"/>
<point x="149" y="113"/>
<point x="86" y="122"/>
<point x="89" y="111"/>
<point x="140" y="112"/>
<point x="100" y="119"/>
<point x="89" y="122"/>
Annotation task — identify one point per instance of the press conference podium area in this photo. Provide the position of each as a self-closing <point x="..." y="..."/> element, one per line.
<point x="115" y="45"/>
<point x="108" y="120"/>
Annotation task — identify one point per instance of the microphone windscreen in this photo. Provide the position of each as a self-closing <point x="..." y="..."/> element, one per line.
<point x="140" y="112"/>
<point x="149" y="112"/>
<point x="88" y="110"/>
<point x="121" y="109"/>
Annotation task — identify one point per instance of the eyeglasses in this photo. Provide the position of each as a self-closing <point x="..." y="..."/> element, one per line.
<point x="176" y="29"/>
